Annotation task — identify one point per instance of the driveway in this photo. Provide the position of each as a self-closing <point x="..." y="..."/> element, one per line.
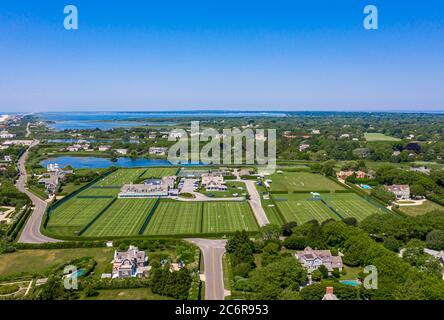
<point x="213" y="251"/>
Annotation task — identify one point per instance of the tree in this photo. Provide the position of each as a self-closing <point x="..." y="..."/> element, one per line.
<point x="316" y="275"/>
<point x="435" y="240"/>
<point x="391" y="243"/>
<point x="270" y="232"/>
<point x="350" y="221"/>
<point x="295" y="242"/>
<point x="287" y="228"/>
<point x="324" y="271"/>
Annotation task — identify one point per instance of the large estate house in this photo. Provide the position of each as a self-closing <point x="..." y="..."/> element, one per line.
<point x="401" y="191"/>
<point x="130" y="263"/>
<point x="213" y="182"/>
<point x="313" y="259"/>
<point x="150" y="188"/>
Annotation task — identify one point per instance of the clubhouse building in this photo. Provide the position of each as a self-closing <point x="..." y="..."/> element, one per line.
<point x="151" y="188"/>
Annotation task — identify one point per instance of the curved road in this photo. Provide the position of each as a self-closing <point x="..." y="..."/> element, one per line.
<point x="31" y="232"/>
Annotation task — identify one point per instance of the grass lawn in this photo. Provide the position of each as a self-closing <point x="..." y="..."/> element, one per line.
<point x="125" y="217"/>
<point x="232" y="188"/>
<point x="121" y="177"/>
<point x="76" y="213"/>
<point x="175" y="217"/>
<point x="298" y="207"/>
<point x="427" y="206"/>
<point x="379" y="137"/>
<point x="228" y="217"/>
<point x="351" y="205"/>
<point x="302" y="181"/>
<point x="159" y="173"/>
<point x="42" y="261"/>
<point x="127" y="294"/>
<point x="351" y="273"/>
<point x="272" y="212"/>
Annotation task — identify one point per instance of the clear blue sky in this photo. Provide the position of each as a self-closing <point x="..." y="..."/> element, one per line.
<point x="171" y="55"/>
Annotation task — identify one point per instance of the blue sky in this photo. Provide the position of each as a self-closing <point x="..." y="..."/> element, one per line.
<point x="237" y="55"/>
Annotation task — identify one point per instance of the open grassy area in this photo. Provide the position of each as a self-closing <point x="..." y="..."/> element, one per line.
<point x="351" y="205"/>
<point x="299" y="208"/>
<point x="379" y="137"/>
<point x="125" y="217"/>
<point x="426" y="207"/>
<point x="233" y="187"/>
<point x="121" y="177"/>
<point x="76" y="213"/>
<point x="301" y="181"/>
<point x="127" y="294"/>
<point x="159" y="172"/>
<point x="172" y="218"/>
<point x="228" y="217"/>
<point x="42" y="261"/>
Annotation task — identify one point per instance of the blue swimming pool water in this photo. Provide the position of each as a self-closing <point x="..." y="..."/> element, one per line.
<point x="364" y="186"/>
<point x="353" y="283"/>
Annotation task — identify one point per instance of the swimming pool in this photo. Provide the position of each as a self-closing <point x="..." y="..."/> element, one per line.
<point x="353" y="283"/>
<point x="364" y="186"/>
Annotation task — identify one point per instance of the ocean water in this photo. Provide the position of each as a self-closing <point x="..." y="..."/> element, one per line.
<point x="109" y="120"/>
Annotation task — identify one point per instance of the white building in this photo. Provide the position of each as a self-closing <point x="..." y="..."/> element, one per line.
<point x="313" y="259"/>
<point x="52" y="167"/>
<point x="159" y="151"/>
<point x="8" y="158"/>
<point x="104" y="148"/>
<point x="213" y="182"/>
<point x="401" y="191"/>
<point x="303" y="147"/>
<point x="122" y="151"/>
<point x="7" y="135"/>
<point x="130" y="263"/>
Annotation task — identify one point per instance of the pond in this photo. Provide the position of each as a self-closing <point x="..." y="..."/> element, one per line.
<point x="100" y="163"/>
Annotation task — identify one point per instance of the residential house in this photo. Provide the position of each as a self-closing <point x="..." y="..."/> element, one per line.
<point x="303" y="147"/>
<point x="401" y="191"/>
<point x="130" y="263"/>
<point x="213" y="182"/>
<point x="122" y="151"/>
<point x="316" y="131"/>
<point x="150" y="188"/>
<point x="313" y="259"/>
<point x="104" y="148"/>
<point x="8" y="158"/>
<point x="342" y="175"/>
<point x="7" y="135"/>
<point x="159" y="151"/>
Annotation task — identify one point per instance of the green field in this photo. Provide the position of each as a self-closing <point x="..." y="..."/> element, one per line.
<point x="72" y="215"/>
<point x="125" y="217"/>
<point x="159" y="173"/>
<point x="41" y="261"/>
<point x="221" y="217"/>
<point x="371" y="137"/>
<point x="351" y="205"/>
<point x="172" y="218"/>
<point x="299" y="208"/>
<point x="121" y="177"/>
<point x="301" y="181"/>
<point x="426" y="207"/>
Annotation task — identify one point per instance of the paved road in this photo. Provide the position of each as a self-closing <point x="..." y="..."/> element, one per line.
<point x="31" y="231"/>
<point x="28" y="131"/>
<point x="255" y="203"/>
<point x="213" y="251"/>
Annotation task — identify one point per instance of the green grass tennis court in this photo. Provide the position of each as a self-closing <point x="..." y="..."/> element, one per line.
<point x="174" y="217"/>
<point x="301" y="181"/>
<point x="74" y="214"/>
<point x="124" y="217"/>
<point x="299" y="208"/>
<point x="121" y="177"/>
<point x="351" y="205"/>
<point x="228" y="217"/>
<point x="159" y="173"/>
